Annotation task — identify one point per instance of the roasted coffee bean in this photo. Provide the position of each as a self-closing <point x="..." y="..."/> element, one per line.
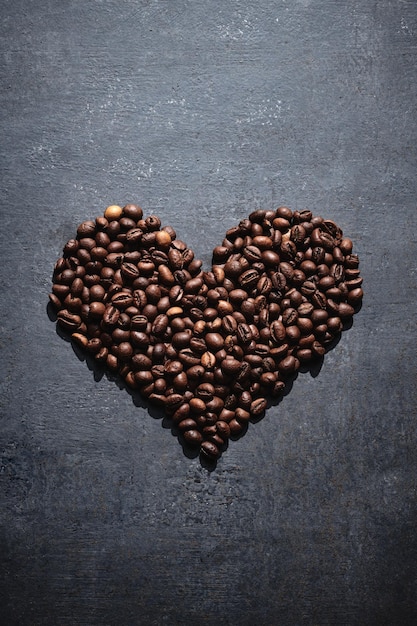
<point x="244" y="333"/>
<point x="96" y="310"/>
<point x="248" y="279"/>
<point x="210" y="450"/>
<point x="355" y="296"/>
<point x="230" y="366"/>
<point x="125" y="351"/>
<point x="80" y="339"/>
<point x="208" y="360"/>
<point x="198" y="345"/>
<point x="187" y="424"/>
<point x="258" y="407"/>
<point x="223" y="429"/>
<point x="160" y="324"/>
<point x="235" y="426"/>
<point x="188" y="357"/>
<point x="86" y="229"/>
<point x="308" y="288"/>
<point x="319" y="300"/>
<point x="277" y="329"/>
<point x="345" y="310"/>
<point x="193" y="437"/>
<point x="288" y="365"/>
<point x="293" y="334"/>
<point x="242" y="415"/>
<point x="113" y="212"/>
<point x="281" y="223"/>
<point x="122" y="300"/>
<point x="334" y="325"/>
<point x="289" y="317"/>
<point x="139" y="339"/>
<point x="174" y="400"/>
<point x="252" y="253"/>
<point x="270" y="258"/>
<point x="304" y="355"/>
<point x="69" y="321"/>
<point x="284" y="212"/>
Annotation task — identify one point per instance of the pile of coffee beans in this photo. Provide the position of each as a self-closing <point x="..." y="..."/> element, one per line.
<point x="209" y="347"/>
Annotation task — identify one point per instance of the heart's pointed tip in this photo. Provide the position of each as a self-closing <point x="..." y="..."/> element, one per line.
<point x="208" y="463"/>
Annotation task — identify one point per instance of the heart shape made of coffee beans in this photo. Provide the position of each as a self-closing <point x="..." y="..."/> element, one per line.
<point x="210" y="347"/>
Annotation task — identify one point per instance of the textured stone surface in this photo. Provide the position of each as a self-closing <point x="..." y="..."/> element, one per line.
<point x="202" y="112"/>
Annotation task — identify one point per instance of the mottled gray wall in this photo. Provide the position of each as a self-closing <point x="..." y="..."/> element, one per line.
<point x="201" y="112"/>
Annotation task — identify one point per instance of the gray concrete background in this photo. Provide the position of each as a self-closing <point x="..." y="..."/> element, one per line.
<point x="202" y="112"/>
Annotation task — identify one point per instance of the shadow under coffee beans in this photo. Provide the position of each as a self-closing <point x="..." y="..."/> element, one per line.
<point x="209" y="347"/>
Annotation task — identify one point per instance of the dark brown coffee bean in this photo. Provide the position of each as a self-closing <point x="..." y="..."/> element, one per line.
<point x="139" y="339"/>
<point x="96" y="310"/>
<point x="223" y="429"/>
<point x="174" y="401"/>
<point x="122" y="300"/>
<point x="160" y="324"/>
<point x="304" y="355"/>
<point x="289" y="316"/>
<point x="318" y="349"/>
<point x="188" y="357"/>
<point x="198" y="345"/>
<point x="248" y="279"/>
<point x="345" y="310"/>
<point x="244" y="334"/>
<point x="230" y="366"/>
<point x="288" y="365"/>
<point x="119" y="334"/>
<point x="55" y="301"/>
<point x="334" y="325"/>
<point x="242" y="415"/>
<point x="125" y="351"/>
<point x="181" y="413"/>
<point x="337" y="272"/>
<point x="180" y="382"/>
<point x="305" y="309"/>
<point x="252" y="253"/>
<point x="173" y="368"/>
<point x="298" y="234"/>
<point x="210" y="450"/>
<point x="235" y="427"/>
<point x="195" y="372"/>
<point x="281" y="223"/>
<point x="351" y="274"/>
<point x="205" y="392"/>
<point x="86" y="229"/>
<point x="258" y="407"/>
<point x="193" y="437"/>
<point x="305" y="325"/>
<point x="277" y="330"/>
<point x="284" y="212"/>
<point x="229" y="324"/>
<point x="270" y="258"/>
<point x="319" y="300"/>
<point x="69" y="321"/>
<point x="355" y="296"/>
<point x="197" y="406"/>
<point x="143" y="377"/>
<point x="293" y="334"/>
<point x="308" y="288"/>
<point x="187" y="424"/>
